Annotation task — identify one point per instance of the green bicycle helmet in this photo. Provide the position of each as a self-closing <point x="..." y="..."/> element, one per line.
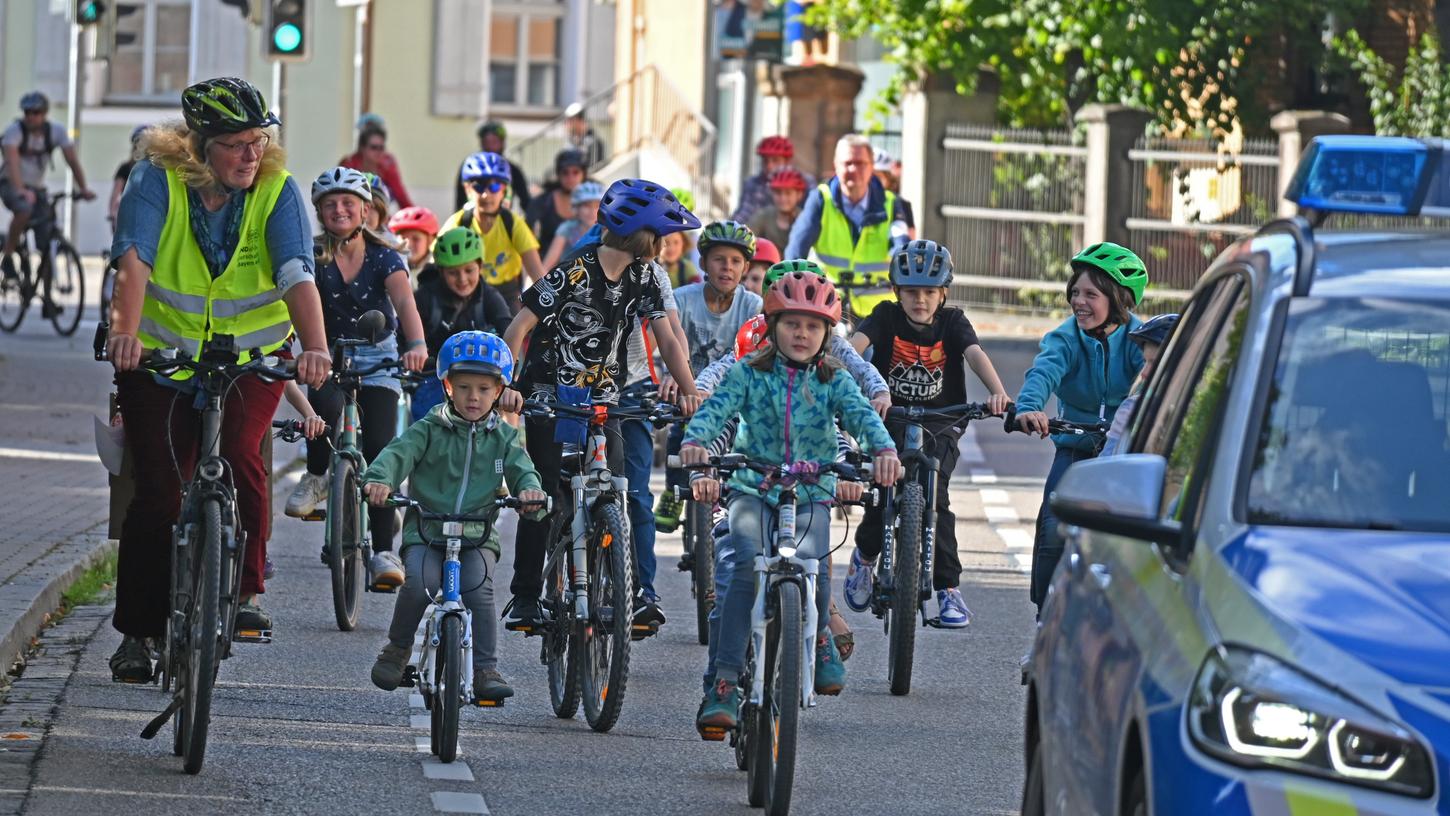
<point x="685" y="197"/>
<point x="727" y="233"/>
<point x="215" y="107"/>
<point x="1119" y="262"/>
<point x="457" y="247"/>
<point x="780" y="270"/>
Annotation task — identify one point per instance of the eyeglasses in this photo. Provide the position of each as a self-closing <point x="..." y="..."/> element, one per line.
<point x="258" y="145"/>
<point x="491" y="186"/>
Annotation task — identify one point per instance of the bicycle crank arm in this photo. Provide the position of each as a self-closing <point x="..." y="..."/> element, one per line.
<point x="153" y="727"/>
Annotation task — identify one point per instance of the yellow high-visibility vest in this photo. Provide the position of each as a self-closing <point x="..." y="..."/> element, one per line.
<point x="864" y="264"/>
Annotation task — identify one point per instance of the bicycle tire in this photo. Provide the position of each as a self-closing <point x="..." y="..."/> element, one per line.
<point x="203" y="637"/>
<point x="447" y="686"/>
<point x="344" y="548"/>
<point x="67" y="274"/>
<point x="742" y="739"/>
<point x="15" y="293"/>
<point x="560" y="659"/>
<point x="702" y="567"/>
<point x="605" y="644"/>
<point x="905" y="590"/>
<point x="771" y="775"/>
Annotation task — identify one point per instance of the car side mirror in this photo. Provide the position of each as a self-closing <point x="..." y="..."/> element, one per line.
<point x="1119" y="495"/>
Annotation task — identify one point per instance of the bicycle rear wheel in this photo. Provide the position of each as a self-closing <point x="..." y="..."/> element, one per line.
<point x="702" y="571"/>
<point x="447" y="687"/>
<point x="203" y="635"/>
<point x="67" y="289"/>
<point x="15" y="293"/>
<point x="607" y="635"/>
<point x="771" y="775"/>
<point x="905" y="592"/>
<point x="559" y="654"/>
<point x="344" y="543"/>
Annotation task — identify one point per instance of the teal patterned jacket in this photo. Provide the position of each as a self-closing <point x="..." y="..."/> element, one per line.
<point x="764" y="399"/>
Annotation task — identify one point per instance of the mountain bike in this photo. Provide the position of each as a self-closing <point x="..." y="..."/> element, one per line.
<point x="206" y="551"/>
<point x="780" y="658"/>
<point x="1097" y="432"/>
<point x="908" y="536"/>
<point x="49" y="270"/>
<point x="589" y="577"/>
<point x="698" y="533"/>
<point x="444" y="671"/>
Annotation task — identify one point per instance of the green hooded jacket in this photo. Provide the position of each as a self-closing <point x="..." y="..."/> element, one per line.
<point x="456" y="466"/>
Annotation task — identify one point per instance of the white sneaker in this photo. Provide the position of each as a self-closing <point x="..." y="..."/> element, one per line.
<point x="387" y="569"/>
<point x="954" y="613"/>
<point x="311" y="491"/>
<point x="860" y="582"/>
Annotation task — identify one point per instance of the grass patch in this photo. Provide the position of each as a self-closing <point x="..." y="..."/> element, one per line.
<point x="93" y="585"/>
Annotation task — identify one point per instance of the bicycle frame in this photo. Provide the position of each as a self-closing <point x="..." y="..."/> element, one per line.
<point x="779" y="561"/>
<point x="347" y="448"/>
<point x="918" y="466"/>
<point x="448" y="603"/>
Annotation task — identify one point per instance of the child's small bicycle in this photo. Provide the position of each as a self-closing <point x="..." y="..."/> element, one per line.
<point x="444" y="671"/>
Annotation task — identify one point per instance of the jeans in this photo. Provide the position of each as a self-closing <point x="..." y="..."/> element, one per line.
<point x="1047" y="546"/>
<point x="424" y="568"/>
<point x="377" y="409"/>
<point x="639" y="451"/>
<point x="750" y="521"/>
<point x="946" y="563"/>
<point x="724" y="574"/>
<point x="675" y="477"/>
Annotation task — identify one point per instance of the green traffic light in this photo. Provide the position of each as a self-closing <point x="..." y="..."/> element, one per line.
<point x="90" y="12"/>
<point x="287" y="37"/>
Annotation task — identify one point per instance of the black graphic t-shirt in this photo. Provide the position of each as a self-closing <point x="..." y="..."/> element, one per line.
<point x="920" y="367"/>
<point x="584" y="320"/>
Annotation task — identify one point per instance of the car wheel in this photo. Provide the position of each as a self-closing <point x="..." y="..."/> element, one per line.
<point x="1135" y="796"/>
<point x="1034" y="802"/>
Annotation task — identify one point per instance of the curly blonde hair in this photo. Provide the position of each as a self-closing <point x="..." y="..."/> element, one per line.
<point x="172" y="146"/>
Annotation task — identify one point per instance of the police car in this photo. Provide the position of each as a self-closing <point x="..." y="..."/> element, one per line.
<point x="1252" y="615"/>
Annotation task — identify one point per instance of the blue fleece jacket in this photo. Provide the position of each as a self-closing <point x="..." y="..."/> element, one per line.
<point x="807" y="226"/>
<point x="1088" y="385"/>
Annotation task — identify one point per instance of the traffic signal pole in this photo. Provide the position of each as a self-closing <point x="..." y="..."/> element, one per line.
<point x="72" y="113"/>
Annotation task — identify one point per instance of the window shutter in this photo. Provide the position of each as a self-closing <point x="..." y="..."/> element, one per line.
<point x="460" y="57"/>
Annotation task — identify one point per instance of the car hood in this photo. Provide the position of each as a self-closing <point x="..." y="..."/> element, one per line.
<point x="1383" y="597"/>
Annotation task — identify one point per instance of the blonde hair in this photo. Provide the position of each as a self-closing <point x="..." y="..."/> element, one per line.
<point x="763" y="358"/>
<point x="638" y="244"/>
<point x="325" y="246"/>
<point x="172" y="146"/>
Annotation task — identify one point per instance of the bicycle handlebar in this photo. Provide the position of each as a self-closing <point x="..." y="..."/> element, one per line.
<point x="655" y="413"/>
<point x="728" y="463"/>
<point x="916" y="413"/>
<point x="1056" y="426"/>
<point x="399" y="500"/>
<point x="291" y="430"/>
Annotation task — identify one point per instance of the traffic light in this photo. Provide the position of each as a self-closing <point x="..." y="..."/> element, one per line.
<point x="287" y="30"/>
<point x="89" y="12"/>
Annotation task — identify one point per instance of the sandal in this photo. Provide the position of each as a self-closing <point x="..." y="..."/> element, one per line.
<point x="841" y="633"/>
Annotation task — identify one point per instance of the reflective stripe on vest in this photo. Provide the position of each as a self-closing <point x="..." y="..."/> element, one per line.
<point x="185" y="306"/>
<point x="864" y="264"/>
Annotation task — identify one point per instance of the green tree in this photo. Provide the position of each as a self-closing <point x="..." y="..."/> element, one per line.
<point x="1199" y="62"/>
<point x="1414" y="101"/>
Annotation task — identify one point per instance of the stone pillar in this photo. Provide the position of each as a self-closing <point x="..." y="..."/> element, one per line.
<point x="1112" y="130"/>
<point x="821" y="109"/>
<point x="925" y="113"/>
<point x="1296" y="129"/>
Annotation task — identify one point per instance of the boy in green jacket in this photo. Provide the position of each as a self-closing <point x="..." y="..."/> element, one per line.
<point x="458" y="455"/>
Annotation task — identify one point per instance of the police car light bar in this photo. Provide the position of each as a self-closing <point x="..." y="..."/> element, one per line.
<point x="1381" y="175"/>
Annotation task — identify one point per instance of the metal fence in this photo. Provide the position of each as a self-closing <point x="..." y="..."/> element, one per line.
<point x="1012" y="201"/>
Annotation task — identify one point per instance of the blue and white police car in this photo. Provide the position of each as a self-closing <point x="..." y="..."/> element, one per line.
<point x="1252" y="615"/>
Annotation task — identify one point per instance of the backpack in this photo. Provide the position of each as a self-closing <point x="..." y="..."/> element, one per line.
<point x="47" y="151"/>
<point x="504" y="213"/>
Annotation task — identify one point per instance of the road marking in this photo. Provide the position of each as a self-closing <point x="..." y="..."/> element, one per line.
<point x="450" y="802"/>
<point x="452" y="771"/>
<point x="993" y="495"/>
<point x="48" y="456"/>
<point x="415" y="700"/>
<point x="423" y="721"/>
<point x="423" y="744"/>
<point x="147" y="794"/>
<point x="983" y="476"/>
<point x="1000" y="514"/>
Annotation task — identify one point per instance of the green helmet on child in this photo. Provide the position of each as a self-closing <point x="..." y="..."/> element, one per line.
<point x="457" y="247"/>
<point x="727" y="233"/>
<point x="1120" y="263"/>
<point x="780" y="270"/>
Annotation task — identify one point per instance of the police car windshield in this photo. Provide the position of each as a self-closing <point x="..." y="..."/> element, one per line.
<point x="1355" y="431"/>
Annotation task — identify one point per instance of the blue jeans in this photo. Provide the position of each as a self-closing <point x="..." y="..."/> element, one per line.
<point x="750" y="520"/>
<point x="724" y="573"/>
<point x="1047" y="546"/>
<point x="639" y="452"/>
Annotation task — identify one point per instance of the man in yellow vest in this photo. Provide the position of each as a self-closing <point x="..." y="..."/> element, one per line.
<point x="211" y="238"/>
<point x="851" y="226"/>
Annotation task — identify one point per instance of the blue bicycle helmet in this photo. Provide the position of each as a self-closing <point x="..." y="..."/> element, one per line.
<point x="586" y="191"/>
<point x="922" y="263"/>
<point x="34" y="100"/>
<point x="486" y="166"/>
<point x="476" y="352"/>
<point x="1155" y="330"/>
<point x="631" y="205"/>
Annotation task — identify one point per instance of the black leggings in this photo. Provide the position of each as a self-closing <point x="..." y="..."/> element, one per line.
<point x="378" y="413"/>
<point x="946" y="565"/>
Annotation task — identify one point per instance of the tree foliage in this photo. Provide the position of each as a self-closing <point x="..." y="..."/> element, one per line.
<point x="1410" y="102"/>
<point x="1189" y="61"/>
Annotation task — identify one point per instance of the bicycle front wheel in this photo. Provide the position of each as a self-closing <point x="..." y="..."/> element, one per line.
<point x="14" y="293"/>
<point x="344" y="543"/>
<point x="203" y="633"/>
<point x="560" y="656"/>
<point x="702" y="572"/>
<point x="607" y="634"/>
<point x="67" y="289"/>
<point x="905" y="592"/>
<point x="448" y="687"/>
<point x="771" y="775"/>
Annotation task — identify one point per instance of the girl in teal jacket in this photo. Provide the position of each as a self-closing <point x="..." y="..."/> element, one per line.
<point x="1090" y="364"/>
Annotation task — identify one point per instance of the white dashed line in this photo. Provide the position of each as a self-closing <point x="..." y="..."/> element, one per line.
<point x="422" y="721"/>
<point x="1016" y="538"/>
<point x="983" y="476"/>
<point x="1000" y="514"/>
<point x="454" y="771"/>
<point x="993" y="495"/>
<point x="451" y="802"/>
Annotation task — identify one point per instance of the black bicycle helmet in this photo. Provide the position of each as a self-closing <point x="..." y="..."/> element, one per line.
<point x="569" y="157"/>
<point x="214" y="107"/>
<point x="1155" y="330"/>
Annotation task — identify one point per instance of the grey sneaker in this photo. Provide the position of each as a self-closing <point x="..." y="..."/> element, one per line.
<point x="387" y="569"/>
<point x="489" y="685"/>
<point x="311" y="491"/>
<point x="389" y="667"/>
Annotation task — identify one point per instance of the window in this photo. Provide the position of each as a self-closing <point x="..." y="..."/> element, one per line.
<point x="524" y="49"/>
<point x="153" y="51"/>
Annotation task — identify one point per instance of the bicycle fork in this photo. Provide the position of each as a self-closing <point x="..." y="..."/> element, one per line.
<point x="449" y="603"/>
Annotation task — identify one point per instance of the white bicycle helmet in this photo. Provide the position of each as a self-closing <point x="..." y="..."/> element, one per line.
<point x="342" y="180"/>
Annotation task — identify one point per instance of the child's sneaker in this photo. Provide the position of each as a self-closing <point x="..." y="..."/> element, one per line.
<point x="489" y="686"/>
<point x="717" y="710"/>
<point x="389" y="668"/>
<point x="953" y="611"/>
<point x="830" y="671"/>
<point x="667" y="512"/>
<point x="860" y="582"/>
<point x="311" y="490"/>
<point x="387" y="569"/>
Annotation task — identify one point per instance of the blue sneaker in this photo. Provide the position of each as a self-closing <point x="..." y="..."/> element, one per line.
<point x="954" y="613"/>
<point x="717" y="710"/>
<point x="830" y="671"/>
<point x="860" y="582"/>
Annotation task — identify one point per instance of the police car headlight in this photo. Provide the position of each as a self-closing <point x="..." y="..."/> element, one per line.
<point x="1253" y="710"/>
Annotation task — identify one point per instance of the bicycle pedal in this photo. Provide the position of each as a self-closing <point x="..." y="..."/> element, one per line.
<point x="253" y="636"/>
<point x="934" y="623"/>
<point x="640" y="631"/>
<point x="315" y="515"/>
<point x="410" y="678"/>
<point x="685" y="565"/>
<point x="385" y="589"/>
<point x="527" y="627"/>
<point x="712" y="733"/>
<point x="481" y="703"/>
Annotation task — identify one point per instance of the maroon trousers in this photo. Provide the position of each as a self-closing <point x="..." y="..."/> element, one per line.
<point x="163" y="431"/>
